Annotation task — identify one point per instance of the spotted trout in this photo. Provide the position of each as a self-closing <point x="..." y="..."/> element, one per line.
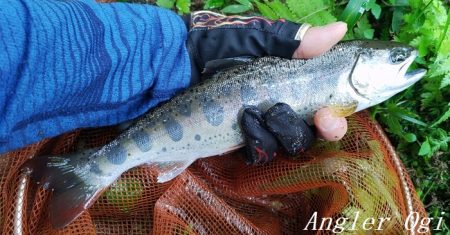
<point x="202" y="121"/>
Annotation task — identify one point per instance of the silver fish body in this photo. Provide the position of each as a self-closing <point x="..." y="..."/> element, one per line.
<point x="203" y="120"/>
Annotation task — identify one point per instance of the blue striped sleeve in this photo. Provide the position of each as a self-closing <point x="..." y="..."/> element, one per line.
<point x="77" y="63"/>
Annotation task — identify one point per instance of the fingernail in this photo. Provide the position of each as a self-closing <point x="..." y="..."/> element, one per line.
<point x="325" y="120"/>
<point x="329" y="123"/>
<point x="330" y="128"/>
<point x="341" y="23"/>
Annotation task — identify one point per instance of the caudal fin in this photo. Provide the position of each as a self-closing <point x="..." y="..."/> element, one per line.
<point x="70" y="179"/>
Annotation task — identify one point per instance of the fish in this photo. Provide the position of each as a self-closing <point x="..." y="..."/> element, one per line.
<point x="202" y="121"/>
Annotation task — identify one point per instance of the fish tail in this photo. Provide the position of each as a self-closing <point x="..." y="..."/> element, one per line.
<point x="73" y="188"/>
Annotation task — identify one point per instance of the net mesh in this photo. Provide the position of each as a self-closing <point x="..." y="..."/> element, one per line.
<point x="357" y="176"/>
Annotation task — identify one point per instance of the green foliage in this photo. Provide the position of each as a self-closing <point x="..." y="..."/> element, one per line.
<point x="236" y="8"/>
<point x="374" y="8"/>
<point x="426" y="28"/>
<point x="182" y="6"/>
<point x="165" y="3"/>
<point x="317" y="12"/>
<point x="266" y="10"/>
<point x="211" y="4"/>
<point x="353" y="11"/>
<point x="363" y="28"/>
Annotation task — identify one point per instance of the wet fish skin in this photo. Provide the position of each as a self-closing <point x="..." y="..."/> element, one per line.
<point x="202" y="121"/>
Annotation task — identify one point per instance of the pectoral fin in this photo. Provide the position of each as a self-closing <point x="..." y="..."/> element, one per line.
<point x="343" y="110"/>
<point x="169" y="170"/>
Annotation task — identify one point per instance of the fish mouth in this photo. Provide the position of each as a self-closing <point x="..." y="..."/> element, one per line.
<point x="408" y="78"/>
<point x="415" y="75"/>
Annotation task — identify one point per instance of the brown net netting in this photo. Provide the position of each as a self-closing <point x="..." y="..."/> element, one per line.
<point x="358" y="177"/>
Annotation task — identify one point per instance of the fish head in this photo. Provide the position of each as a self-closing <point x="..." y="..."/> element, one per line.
<point x="380" y="71"/>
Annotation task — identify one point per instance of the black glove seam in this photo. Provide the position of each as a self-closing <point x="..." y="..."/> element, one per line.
<point x="261" y="30"/>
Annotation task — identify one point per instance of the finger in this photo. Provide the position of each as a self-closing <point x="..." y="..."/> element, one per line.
<point x="329" y="127"/>
<point x="261" y="145"/>
<point x="290" y="129"/>
<point x="318" y="40"/>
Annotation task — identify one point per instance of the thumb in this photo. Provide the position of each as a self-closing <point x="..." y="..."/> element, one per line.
<point x="318" y="40"/>
<point x="329" y="127"/>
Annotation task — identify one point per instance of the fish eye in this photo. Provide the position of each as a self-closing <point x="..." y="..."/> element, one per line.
<point x="398" y="55"/>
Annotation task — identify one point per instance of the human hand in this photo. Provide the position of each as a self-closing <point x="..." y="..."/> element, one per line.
<point x="213" y="36"/>
<point x="316" y="41"/>
<point x="280" y="126"/>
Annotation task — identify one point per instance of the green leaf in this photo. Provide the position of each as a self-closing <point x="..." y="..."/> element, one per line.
<point x="364" y="29"/>
<point x="403" y="3"/>
<point x="397" y="19"/>
<point x="353" y="11"/>
<point x="442" y="119"/>
<point x="183" y="6"/>
<point x="211" y="4"/>
<point x="165" y="3"/>
<point x="235" y="9"/>
<point x="316" y="12"/>
<point x="376" y="11"/>
<point x="410" y="137"/>
<point x="374" y="8"/>
<point x="425" y="149"/>
<point x="445" y="81"/>
<point x="266" y="11"/>
<point x="411" y="119"/>
<point x="393" y="124"/>
<point x="444" y="146"/>
<point x="444" y="33"/>
<point x="245" y="3"/>
<point x="368" y="33"/>
<point x="281" y="10"/>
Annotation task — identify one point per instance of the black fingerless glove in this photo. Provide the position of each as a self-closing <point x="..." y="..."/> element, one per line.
<point x="214" y="36"/>
<point x="279" y="126"/>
